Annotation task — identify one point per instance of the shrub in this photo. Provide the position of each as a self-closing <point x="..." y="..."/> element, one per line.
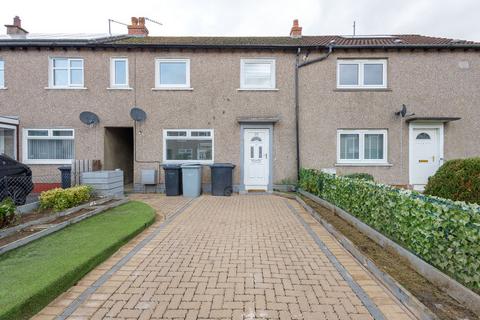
<point x="360" y="175"/>
<point x="442" y="232"/>
<point x="62" y="199"/>
<point x="7" y="212"/>
<point x="457" y="180"/>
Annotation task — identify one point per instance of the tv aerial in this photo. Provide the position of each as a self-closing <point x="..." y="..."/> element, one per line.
<point x="89" y="118"/>
<point x="138" y="114"/>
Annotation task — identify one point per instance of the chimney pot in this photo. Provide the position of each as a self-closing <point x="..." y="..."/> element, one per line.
<point x="15" y="29"/>
<point x="138" y="28"/>
<point x="296" y="31"/>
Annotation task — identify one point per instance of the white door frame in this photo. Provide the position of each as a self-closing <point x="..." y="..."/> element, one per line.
<point x="411" y="140"/>
<point x="15" y="137"/>
<point x="244" y="126"/>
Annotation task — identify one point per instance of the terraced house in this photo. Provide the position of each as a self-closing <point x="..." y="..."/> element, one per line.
<point x="395" y="106"/>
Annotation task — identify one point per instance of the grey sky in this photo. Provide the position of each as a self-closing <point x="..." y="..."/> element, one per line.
<point x="448" y="18"/>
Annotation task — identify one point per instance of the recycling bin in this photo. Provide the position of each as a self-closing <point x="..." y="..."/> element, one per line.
<point x="222" y="174"/>
<point x="192" y="180"/>
<point x="173" y="179"/>
<point x="65" y="176"/>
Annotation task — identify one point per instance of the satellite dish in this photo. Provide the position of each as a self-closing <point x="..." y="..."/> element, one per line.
<point x="89" y="118"/>
<point x="138" y="114"/>
<point x="402" y="112"/>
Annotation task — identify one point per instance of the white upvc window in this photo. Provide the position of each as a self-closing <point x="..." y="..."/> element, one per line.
<point x="8" y="140"/>
<point x="48" y="146"/>
<point x="66" y="73"/>
<point x="2" y="74"/>
<point x="172" y="73"/>
<point x="119" y="73"/>
<point x="362" y="74"/>
<point x="362" y="146"/>
<point x="188" y="146"/>
<point x="257" y="74"/>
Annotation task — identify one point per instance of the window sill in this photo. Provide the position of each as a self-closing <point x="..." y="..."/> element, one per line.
<point x="47" y="162"/>
<point x="202" y="162"/>
<point x="65" y="88"/>
<point x="258" y="89"/>
<point x="362" y="89"/>
<point x="3" y="88"/>
<point x="172" y="89"/>
<point x="120" y="88"/>
<point x="363" y="164"/>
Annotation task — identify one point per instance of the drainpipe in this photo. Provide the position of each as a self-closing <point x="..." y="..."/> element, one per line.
<point x="299" y="65"/>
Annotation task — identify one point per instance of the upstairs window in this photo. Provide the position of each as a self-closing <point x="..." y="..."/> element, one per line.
<point x="119" y="73"/>
<point x="48" y="146"/>
<point x="172" y="73"/>
<point x="186" y="145"/>
<point x="257" y="74"/>
<point x="66" y="72"/>
<point x="362" y="74"/>
<point x="2" y="74"/>
<point x="362" y="146"/>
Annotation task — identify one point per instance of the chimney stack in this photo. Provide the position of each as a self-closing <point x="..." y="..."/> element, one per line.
<point x="296" y="31"/>
<point x="16" y="29"/>
<point x="138" y="28"/>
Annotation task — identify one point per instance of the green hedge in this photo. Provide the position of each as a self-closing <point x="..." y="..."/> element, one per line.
<point x="442" y="232"/>
<point x="457" y="180"/>
<point x="61" y="199"/>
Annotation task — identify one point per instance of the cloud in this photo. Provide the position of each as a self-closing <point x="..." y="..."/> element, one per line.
<point x="454" y="19"/>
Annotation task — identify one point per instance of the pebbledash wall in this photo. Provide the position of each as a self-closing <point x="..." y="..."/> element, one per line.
<point x="441" y="83"/>
<point x="431" y="83"/>
<point x="214" y="103"/>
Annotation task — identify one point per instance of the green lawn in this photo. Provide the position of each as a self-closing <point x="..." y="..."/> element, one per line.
<point x="33" y="275"/>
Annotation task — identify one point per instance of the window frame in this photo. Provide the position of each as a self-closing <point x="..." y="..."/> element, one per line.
<point x="51" y="69"/>
<point x="361" y="146"/>
<point x="159" y="61"/>
<point x="188" y="136"/>
<point x="50" y="136"/>
<point x="113" y="73"/>
<point x="361" y="72"/>
<point x="3" y="69"/>
<point x="273" y="81"/>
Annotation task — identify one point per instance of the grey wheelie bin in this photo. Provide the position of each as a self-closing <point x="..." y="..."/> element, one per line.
<point x="173" y="179"/>
<point x="222" y="179"/>
<point x="192" y="180"/>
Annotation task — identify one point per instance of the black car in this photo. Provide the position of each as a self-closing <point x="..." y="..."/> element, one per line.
<point x="15" y="180"/>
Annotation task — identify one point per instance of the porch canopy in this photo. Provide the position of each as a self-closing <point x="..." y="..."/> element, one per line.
<point x="9" y="120"/>
<point x="432" y="119"/>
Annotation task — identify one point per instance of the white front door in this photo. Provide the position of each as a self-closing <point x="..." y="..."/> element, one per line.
<point x="256" y="158"/>
<point x="425" y="145"/>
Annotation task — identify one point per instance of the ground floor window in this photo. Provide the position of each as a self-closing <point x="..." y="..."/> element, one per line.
<point x="8" y="140"/>
<point x="361" y="146"/>
<point x="48" y="146"/>
<point x="186" y="145"/>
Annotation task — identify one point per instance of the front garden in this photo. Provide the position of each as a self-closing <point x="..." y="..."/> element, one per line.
<point x="36" y="273"/>
<point x="442" y="232"/>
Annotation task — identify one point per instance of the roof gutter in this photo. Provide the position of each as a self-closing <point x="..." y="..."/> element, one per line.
<point x="299" y="65"/>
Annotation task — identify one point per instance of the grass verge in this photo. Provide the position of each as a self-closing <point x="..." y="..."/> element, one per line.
<point x="34" y="275"/>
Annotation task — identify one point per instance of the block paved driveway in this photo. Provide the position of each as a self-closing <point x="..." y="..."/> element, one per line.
<point x="239" y="257"/>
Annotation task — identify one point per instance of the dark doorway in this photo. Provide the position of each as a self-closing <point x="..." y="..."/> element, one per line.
<point x="118" y="152"/>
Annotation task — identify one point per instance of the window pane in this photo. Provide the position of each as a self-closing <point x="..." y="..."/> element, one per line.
<point x="173" y="73"/>
<point x="38" y="133"/>
<point x="348" y="74"/>
<point x="374" y="146"/>
<point x="258" y="75"/>
<point x="189" y="149"/>
<point x="176" y="133"/>
<point x="2" y="64"/>
<point x="120" y="72"/>
<point x="349" y="146"/>
<point x="50" y="149"/>
<point x="7" y="142"/>
<point x="60" y="63"/>
<point x="76" y="76"/>
<point x="60" y="77"/>
<point x="76" y="64"/>
<point x="62" y="133"/>
<point x="200" y="133"/>
<point x="2" y="78"/>
<point x="373" y="74"/>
